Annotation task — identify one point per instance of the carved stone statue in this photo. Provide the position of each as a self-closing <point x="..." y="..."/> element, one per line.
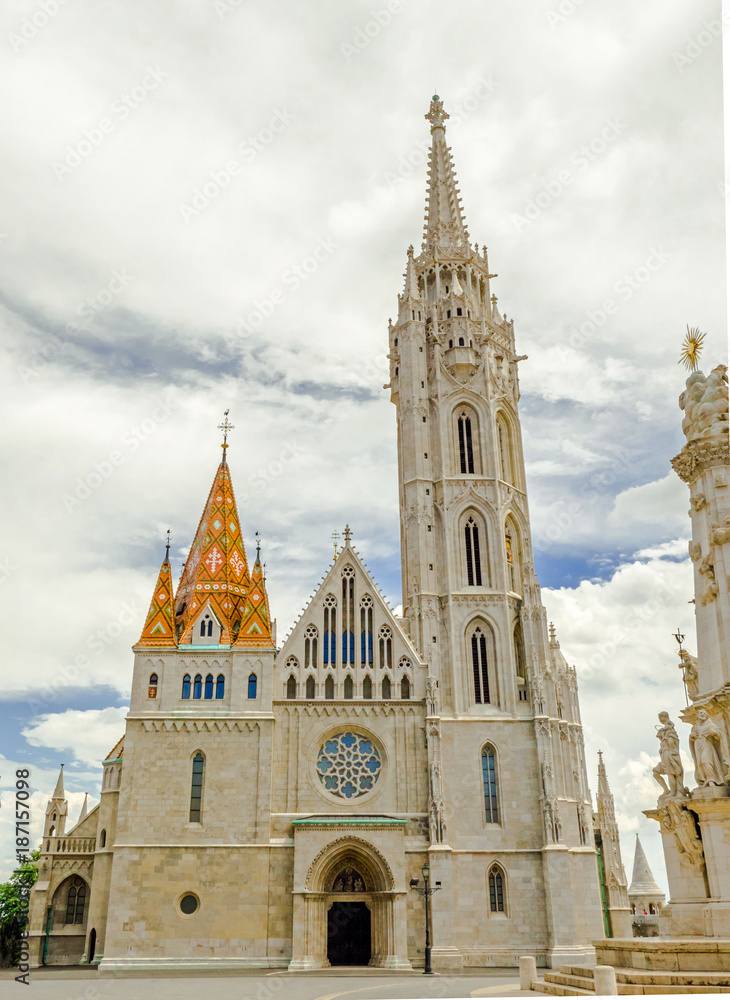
<point x="709" y="752"/>
<point x="688" y="666"/>
<point x="432" y="696"/>
<point x="670" y="763"/>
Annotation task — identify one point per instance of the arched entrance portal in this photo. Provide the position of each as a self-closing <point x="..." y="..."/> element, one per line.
<point x="348" y="910"/>
<point x="348" y="933"/>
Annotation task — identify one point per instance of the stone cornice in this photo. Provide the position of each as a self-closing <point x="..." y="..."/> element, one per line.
<point x="698" y="455"/>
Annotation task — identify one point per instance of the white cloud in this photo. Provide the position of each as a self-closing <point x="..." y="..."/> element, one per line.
<point x="88" y="735"/>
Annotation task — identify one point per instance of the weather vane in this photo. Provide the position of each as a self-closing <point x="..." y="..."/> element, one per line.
<point x="258" y="547"/>
<point x="226" y="426"/>
<point x="692" y="348"/>
<point x="167" y="553"/>
<point x="335" y="538"/>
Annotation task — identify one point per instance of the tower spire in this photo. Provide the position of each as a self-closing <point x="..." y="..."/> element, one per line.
<point x="643" y="882"/>
<point x="226" y="426"/>
<point x="159" y="626"/>
<point x="444" y="222"/>
<point x="58" y="792"/>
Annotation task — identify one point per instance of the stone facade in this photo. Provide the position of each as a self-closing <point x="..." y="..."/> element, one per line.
<point x="265" y="799"/>
<point x="616" y="910"/>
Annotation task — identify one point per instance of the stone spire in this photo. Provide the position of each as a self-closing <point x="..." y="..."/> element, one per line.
<point x="643" y="882"/>
<point x="216" y="571"/>
<point x="56" y="811"/>
<point x="444" y="223"/>
<point x="159" y="627"/>
<point x="84" y="808"/>
<point x="613" y="876"/>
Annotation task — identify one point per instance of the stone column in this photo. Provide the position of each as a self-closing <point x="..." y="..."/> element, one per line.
<point x="445" y="954"/>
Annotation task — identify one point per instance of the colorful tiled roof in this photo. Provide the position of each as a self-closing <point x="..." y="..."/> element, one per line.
<point x="116" y="751"/>
<point x="159" y="629"/>
<point x="256" y="623"/>
<point x="216" y="571"/>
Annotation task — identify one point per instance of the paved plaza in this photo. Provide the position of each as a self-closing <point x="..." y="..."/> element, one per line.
<point x="88" y="984"/>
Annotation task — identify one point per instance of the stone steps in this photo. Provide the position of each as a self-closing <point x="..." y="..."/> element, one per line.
<point x="576" y="980"/>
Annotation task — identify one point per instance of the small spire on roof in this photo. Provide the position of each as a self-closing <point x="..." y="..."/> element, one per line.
<point x="347" y="536"/>
<point x="82" y="814"/>
<point x="258" y="547"/>
<point x="58" y="792"/>
<point x="167" y="547"/>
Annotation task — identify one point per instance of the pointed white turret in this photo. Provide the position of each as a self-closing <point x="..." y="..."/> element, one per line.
<point x="642" y="880"/>
<point x="56" y="811"/>
<point x="84" y="809"/>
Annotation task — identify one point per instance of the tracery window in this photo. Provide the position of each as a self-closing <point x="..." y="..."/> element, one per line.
<point x="291" y="687"/>
<point x="349" y="688"/>
<point x="310" y="688"/>
<point x="366" y="631"/>
<point x="330" y="630"/>
<point x="367" y="688"/>
<point x="196" y="788"/>
<point x="348" y="615"/>
<point x="311" y="635"/>
<point x="329" y="687"/>
<point x="186" y="686"/>
<point x="480" y="666"/>
<point x="405" y="688"/>
<point x="348" y="764"/>
<point x="76" y="901"/>
<point x="496" y="890"/>
<point x="386" y="688"/>
<point x="489" y="782"/>
<point x="385" y="637"/>
<point x="472" y="553"/>
<point x="466" y="449"/>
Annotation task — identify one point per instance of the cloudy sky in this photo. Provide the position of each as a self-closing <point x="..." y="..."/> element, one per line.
<point x="207" y="204"/>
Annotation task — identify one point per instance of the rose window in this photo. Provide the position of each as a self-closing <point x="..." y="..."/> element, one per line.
<point x="348" y="765"/>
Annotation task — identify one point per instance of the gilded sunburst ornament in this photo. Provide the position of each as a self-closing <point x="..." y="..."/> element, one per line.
<point x="692" y="348"/>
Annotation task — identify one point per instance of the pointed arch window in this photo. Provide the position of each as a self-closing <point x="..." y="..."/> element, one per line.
<point x="311" y="634"/>
<point x="209" y="686"/>
<point x="489" y="782"/>
<point x="196" y="788"/>
<point x="513" y="556"/>
<point x="186" y="686"/>
<point x="367" y="688"/>
<point x="349" y="689"/>
<point x="386" y="688"/>
<point x="480" y="666"/>
<point x="466" y="449"/>
<point x="220" y="687"/>
<point x="385" y="637"/>
<point x="405" y="688"/>
<point x="366" y="631"/>
<point x="496" y="890"/>
<point x="506" y="453"/>
<point x="519" y="651"/>
<point x="348" y="615"/>
<point x="472" y="553"/>
<point x="197" y="686"/>
<point x="76" y="902"/>
<point x="310" y="688"/>
<point x="291" y="687"/>
<point x="251" y="686"/>
<point x="329" y="687"/>
<point x="152" y="688"/>
<point x="330" y="630"/>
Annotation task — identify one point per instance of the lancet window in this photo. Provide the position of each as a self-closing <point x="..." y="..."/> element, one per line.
<point x="480" y="666"/>
<point x="366" y="631"/>
<point x="348" y="615"/>
<point x="472" y="553"/>
<point x="330" y="630"/>
<point x="196" y="788"/>
<point x="489" y="782"/>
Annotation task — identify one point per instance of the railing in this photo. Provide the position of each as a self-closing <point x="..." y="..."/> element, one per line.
<point x="69" y="845"/>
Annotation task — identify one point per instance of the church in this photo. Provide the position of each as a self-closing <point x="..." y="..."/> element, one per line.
<point x="275" y="806"/>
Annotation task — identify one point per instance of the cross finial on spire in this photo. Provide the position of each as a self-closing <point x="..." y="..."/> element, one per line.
<point x="552" y="632"/>
<point x="167" y="547"/>
<point x="347" y="534"/>
<point x="679" y="637"/>
<point x="436" y="114"/>
<point x="335" y="538"/>
<point x="258" y="547"/>
<point x="226" y="426"/>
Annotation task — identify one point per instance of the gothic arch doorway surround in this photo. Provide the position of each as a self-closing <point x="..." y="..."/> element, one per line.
<point x="349" y="911"/>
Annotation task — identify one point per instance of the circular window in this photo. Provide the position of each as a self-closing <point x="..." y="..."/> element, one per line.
<point x="189" y="903"/>
<point x="348" y="765"/>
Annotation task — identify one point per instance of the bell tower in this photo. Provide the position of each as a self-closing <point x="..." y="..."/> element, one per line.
<point x="508" y="787"/>
<point x="465" y="534"/>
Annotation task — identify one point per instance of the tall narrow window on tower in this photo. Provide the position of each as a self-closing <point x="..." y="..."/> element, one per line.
<point x="310" y="646"/>
<point x="473" y="555"/>
<point x="489" y="781"/>
<point x="504" y="443"/>
<point x="348" y="615"/>
<point x="480" y="666"/>
<point x="196" y="788"/>
<point x="330" y="629"/>
<point x="466" y="450"/>
<point x="386" y="647"/>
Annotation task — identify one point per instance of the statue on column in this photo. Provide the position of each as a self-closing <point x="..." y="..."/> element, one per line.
<point x="709" y="752"/>
<point x="670" y="763"/>
<point x="688" y="666"/>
